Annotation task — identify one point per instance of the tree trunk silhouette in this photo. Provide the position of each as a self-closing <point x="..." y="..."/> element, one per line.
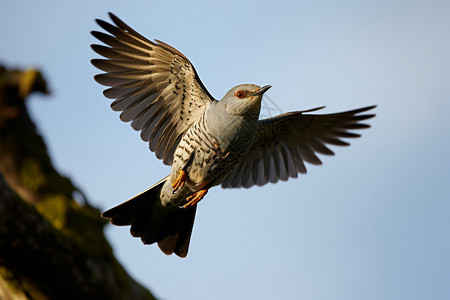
<point x="51" y="247"/>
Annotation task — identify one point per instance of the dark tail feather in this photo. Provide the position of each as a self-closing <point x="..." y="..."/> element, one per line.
<point x="128" y="212"/>
<point x="175" y="233"/>
<point x="170" y="226"/>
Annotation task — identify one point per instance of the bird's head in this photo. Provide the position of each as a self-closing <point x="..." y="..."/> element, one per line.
<point x="244" y="99"/>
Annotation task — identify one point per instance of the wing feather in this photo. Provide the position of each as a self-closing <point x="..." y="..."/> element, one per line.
<point x="285" y="142"/>
<point x="152" y="85"/>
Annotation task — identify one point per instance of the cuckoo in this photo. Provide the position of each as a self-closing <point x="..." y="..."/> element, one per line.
<point x="205" y="141"/>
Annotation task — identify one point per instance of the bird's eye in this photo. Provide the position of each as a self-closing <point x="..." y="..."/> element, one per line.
<point x="240" y="94"/>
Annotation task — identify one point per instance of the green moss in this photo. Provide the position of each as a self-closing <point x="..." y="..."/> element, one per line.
<point x="81" y="223"/>
<point x="32" y="175"/>
<point x="54" y="208"/>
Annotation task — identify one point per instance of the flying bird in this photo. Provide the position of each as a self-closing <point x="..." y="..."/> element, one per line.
<point x="205" y="141"/>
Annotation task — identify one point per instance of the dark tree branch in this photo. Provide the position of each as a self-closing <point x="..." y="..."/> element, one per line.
<point x="51" y="247"/>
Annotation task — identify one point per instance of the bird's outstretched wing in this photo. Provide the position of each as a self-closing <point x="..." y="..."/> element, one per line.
<point x="285" y="142"/>
<point x="153" y="84"/>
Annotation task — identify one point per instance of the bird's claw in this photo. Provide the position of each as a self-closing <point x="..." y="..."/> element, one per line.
<point x="179" y="181"/>
<point x="195" y="198"/>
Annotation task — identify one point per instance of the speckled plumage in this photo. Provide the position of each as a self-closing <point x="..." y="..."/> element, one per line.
<point x="205" y="141"/>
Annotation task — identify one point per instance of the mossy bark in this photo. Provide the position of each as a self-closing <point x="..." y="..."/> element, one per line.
<point x="51" y="247"/>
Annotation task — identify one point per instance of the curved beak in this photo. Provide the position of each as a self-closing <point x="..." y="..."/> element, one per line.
<point x="261" y="90"/>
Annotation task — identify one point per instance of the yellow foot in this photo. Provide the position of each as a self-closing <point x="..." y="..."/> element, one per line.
<point x="179" y="181"/>
<point x="195" y="198"/>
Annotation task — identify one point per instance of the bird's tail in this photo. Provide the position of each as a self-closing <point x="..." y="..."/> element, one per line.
<point x="169" y="226"/>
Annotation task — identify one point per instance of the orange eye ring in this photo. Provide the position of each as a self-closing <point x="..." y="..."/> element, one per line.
<point x="240" y="94"/>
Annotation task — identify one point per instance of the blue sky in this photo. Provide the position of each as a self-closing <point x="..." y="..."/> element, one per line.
<point x="372" y="223"/>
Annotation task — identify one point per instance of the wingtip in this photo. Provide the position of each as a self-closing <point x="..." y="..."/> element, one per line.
<point x="100" y="22"/>
<point x="367" y="108"/>
<point x="114" y="18"/>
<point x="98" y="78"/>
<point x="95" y="61"/>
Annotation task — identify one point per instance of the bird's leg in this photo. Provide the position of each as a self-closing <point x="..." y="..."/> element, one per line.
<point x="179" y="181"/>
<point x="195" y="198"/>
